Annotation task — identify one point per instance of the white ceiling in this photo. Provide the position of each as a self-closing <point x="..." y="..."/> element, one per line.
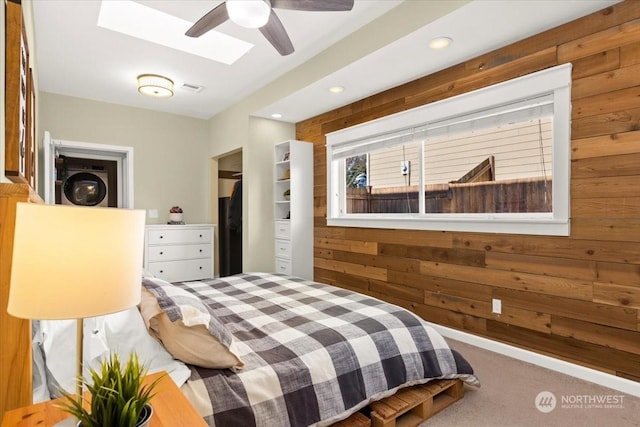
<point x="77" y="58"/>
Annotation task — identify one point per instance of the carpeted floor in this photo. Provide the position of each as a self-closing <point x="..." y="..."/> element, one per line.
<point x="507" y="397"/>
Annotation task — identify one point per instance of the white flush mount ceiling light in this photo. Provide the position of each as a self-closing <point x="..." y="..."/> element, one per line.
<point x="276" y="115"/>
<point x="440" y="42"/>
<point x="155" y="86"/>
<point x="249" y="13"/>
<point x="336" y="89"/>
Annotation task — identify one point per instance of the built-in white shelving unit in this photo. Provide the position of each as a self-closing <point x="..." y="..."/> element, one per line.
<point x="293" y="200"/>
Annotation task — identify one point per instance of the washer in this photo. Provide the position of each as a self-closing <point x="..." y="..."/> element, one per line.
<point x="85" y="187"/>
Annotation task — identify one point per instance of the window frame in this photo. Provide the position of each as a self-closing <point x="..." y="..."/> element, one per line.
<point x="555" y="81"/>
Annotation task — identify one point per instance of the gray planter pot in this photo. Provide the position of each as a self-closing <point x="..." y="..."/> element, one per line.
<point x="145" y="416"/>
<point x="143" y="420"/>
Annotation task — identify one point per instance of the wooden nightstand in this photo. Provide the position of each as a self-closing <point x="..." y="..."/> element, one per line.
<point x="170" y="409"/>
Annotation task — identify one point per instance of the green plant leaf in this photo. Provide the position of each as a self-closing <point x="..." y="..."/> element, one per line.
<point x="116" y="391"/>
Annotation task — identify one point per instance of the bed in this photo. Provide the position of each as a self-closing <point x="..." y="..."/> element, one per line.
<point x="280" y="350"/>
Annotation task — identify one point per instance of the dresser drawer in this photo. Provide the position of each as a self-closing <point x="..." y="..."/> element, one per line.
<point x="283" y="248"/>
<point x="173" y="271"/>
<point x="177" y="252"/>
<point x="283" y="230"/>
<point x="168" y="236"/>
<point x="283" y="266"/>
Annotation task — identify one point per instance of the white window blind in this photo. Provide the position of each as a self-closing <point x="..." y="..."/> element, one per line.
<point x="539" y="102"/>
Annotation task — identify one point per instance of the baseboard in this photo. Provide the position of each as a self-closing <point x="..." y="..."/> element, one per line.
<point x="607" y="380"/>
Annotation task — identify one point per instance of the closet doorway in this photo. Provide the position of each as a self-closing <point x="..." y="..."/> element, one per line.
<point x="230" y="213"/>
<point x="111" y="164"/>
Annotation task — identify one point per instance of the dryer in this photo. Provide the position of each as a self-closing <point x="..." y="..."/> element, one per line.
<point x="85" y="187"/>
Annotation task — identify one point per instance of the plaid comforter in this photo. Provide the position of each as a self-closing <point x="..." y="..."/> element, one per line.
<point x="313" y="353"/>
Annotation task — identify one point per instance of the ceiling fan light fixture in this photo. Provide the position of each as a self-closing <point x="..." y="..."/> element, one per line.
<point x="249" y="13"/>
<point x="155" y="86"/>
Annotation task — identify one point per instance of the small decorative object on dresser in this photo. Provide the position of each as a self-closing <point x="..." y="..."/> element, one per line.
<point x="175" y="215"/>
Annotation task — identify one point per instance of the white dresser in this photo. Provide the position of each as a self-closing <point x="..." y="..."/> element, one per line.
<point x="178" y="253"/>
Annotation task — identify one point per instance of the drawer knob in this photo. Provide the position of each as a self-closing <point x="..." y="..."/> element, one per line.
<point x="161" y="253"/>
<point x="201" y="235"/>
<point x="200" y="268"/>
<point x="161" y="271"/>
<point x="162" y="237"/>
<point x="200" y="250"/>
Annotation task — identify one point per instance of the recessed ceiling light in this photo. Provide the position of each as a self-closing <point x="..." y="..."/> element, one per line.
<point x="276" y="115"/>
<point x="336" y="89"/>
<point x="440" y="42"/>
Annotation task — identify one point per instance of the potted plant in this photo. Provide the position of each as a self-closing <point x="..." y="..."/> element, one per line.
<point x="175" y="214"/>
<point x="118" y="397"/>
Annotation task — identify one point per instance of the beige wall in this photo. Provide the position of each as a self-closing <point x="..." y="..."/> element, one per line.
<point x="171" y="164"/>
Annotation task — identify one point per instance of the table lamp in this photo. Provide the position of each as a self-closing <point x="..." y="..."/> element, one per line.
<point x="73" y="262"/>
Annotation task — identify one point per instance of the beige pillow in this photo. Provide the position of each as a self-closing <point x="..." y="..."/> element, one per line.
<point x="191" y="344"/>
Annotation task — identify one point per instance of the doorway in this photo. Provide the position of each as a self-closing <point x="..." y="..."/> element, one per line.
<point x="111" y="164"/>
<point x="230" y="213"/>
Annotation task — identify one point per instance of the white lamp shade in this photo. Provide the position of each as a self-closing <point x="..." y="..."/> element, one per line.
<point x="73" y="262"/>
<point x="249" y="13"/>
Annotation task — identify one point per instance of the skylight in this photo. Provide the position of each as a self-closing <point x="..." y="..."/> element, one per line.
<point x="136" y="20"/>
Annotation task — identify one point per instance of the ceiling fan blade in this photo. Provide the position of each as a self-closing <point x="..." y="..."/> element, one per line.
<point x="314" y="5"/>
<point x="276" y="34"/>
<point x="212" y="19"/>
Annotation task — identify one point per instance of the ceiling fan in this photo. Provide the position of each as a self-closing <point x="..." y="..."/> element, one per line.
<point x="259" y="14"/>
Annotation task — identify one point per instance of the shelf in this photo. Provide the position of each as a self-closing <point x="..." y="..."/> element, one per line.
<point x="293" y="174"/>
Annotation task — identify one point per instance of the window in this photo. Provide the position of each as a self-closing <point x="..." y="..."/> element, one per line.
<point x="493" y="160"/>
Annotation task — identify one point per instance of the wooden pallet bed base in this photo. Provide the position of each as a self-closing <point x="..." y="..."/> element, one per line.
<point x="357" y="419"/>
<point x="409" y="406"/>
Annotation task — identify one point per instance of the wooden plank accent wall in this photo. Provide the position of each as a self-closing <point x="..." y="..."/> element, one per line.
<point x="576" y="298"/>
